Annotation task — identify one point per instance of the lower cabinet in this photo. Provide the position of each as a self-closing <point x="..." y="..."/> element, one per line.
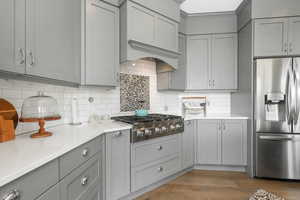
<point x="79" y="184"/>
<point x="222" y="142"/>
<point x="187" y="154"/>
<point x="154" y="160"/>
<point x="117" y="165"/>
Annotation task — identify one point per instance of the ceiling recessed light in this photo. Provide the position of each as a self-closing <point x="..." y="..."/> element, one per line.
<point x="206" y="6"/>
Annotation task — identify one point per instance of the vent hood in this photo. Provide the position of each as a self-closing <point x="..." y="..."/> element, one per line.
<point x="148" y="35"/>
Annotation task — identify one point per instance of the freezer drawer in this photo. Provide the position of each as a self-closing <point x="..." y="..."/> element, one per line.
<point x="278" y="156"/>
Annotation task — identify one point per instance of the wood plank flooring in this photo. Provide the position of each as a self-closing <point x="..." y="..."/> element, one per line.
<point x="214" y="185"/>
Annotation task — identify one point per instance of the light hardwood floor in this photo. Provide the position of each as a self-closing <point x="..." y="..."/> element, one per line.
<point x="214" y="185"/>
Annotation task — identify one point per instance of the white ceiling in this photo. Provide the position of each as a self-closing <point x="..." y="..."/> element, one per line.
<point x="206" y="6"/>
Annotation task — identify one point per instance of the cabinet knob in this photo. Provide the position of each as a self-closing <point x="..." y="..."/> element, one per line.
<point x="31" y="59"/>
<point x="85" y="152"/>
<point x="84" y="180"/>
<point x="160" y="169"/>
<point x="160" y="148"/>
<point x="13" y="195"/>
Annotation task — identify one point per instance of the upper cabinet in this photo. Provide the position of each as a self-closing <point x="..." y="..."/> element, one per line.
<point x="53" y="39"/>
<point x="67" y="41"/>
<point x="210" y="58"/>
<point x="198" y="62"/>
<point x="101" y="44"/>
<point x="224" y="62"/>
<point x="148" y="33"/>
<point x="277" y="37"/>
<point x="12" y="32"/>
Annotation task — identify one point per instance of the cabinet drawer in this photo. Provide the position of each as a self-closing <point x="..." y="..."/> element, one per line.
<point x="76" y="184"/>
<point x="52" y="194"/>
<point x="77" y="157"/>
<point x="145" y="176"/>
<point x="33" y="184"/>
<point x="153" y="150"/>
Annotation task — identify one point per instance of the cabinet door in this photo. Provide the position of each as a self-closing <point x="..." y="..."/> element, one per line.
<point x="141" y="24"/>
<point x="294" y="39"/>
<point x="51" y="194"/>
<point x="54" y="39"/>
<point x="270" y="37"/>
<point x="166" y="33"/>
<point x="224" y="62"/>
<point x="208" y="142"/>
<point x="12" y="35"/>
<point x="117" y="165"/>
<point x="188" y="145"/>
<point x="198" y="62"/>
<point x="233" y="142"/>
<point x="102" y="44"/>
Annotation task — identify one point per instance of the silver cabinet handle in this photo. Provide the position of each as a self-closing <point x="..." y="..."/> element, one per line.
<point x="32" y="60"/>
<point x="160" y="169"/>
<point x="224" y="126"/>
<point x="160" y="148"/>
<point x="85" y="152"/>
<point x="13" y="195"/>
<point x="84" y="180"/>
<point x="220" y="127"/>
<point x="291" y="47"/>
<point x="118" y="134"/>
<point x="21" y="56"/>
<point x="286" y="47"/>
<point x="213" y="83"/>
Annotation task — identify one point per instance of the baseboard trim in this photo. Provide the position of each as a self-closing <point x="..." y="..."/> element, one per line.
<point x="153" y="186"/>
<point x="221" y="168"/>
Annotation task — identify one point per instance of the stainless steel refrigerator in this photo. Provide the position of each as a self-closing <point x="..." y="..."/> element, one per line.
<point x="277" y="123"/>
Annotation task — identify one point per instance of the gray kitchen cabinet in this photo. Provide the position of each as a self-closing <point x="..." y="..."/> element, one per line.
<point x="222" y="142"/>
<point x="209" y="142"/>
<point x="33" y="184"/>
<point x="271" y="37"/>
<point x="210" y="58"/>
<point x="234" y="143"/>
<point x="188" y="152"/>
<point x="151" y="28"/>
<point x="101" y="44"/>
<point x="51" y="194"/>
<point x="53" y="39"/>
<point x="198" y="62"/>
<point x="175" y="80"/>
<point x="78" y="184"/>
<point x="12" y="32"/>
<point x="224" y="62"/>
<point x="117" y="165"/>
<point x="294" y="39"/>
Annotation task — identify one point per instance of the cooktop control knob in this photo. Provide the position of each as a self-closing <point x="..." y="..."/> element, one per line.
<point x="172" y="127"/>
<point x="163" y="128"/>
<point x="147" y="132"/>
<point x="178" y="126"/>
<point x="157" y="130"/>
<point x="139" y="133"/>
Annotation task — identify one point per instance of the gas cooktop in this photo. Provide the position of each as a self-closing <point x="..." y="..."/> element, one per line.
<point x="152" y="126"/>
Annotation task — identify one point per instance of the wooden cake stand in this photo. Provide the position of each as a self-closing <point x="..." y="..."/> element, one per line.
<point x="42" y="131"/>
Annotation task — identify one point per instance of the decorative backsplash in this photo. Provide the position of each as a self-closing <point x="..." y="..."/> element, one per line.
<point x="134" y="92"/>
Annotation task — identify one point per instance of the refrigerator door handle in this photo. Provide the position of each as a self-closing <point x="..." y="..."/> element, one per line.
<point x="296" y="82"/>
<point x="276" y="138"/>
<point x="289" y="97"/>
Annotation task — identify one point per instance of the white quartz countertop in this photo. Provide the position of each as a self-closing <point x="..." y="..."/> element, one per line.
<point x="24" y="154"/>
<point x="215" y="116"/>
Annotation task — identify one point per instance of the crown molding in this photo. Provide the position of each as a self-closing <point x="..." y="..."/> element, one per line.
<point x="209" y="14"/>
